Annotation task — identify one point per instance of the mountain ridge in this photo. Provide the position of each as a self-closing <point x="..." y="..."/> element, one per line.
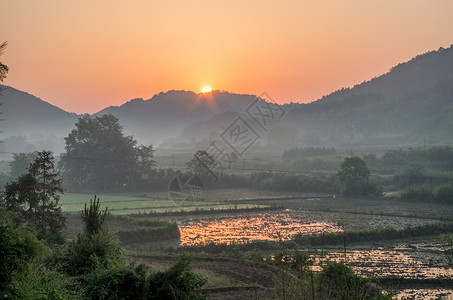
<point x="347" y="117"/>
<point x="419" y="68"/>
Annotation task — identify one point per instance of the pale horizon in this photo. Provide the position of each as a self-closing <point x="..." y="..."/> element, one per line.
<point x="83" y="56"/>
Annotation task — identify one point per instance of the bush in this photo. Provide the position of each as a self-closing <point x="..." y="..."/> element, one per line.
<point x="423" y="193"/>
<point x="118" y="282"/>
<point x="410" y="176"/>
<point x="444" y="194"/>
<point x="89" y="252"/>
<point x="18" y="247"/>
<point x="387" y="233"/>
<point x="177" y="283"/>
<point x="297" y="261"/>
<point x="360" y="189"/>
<point x="37" y="281"/>
<point x="340" y="281"/>
<point x="122" y="282"/>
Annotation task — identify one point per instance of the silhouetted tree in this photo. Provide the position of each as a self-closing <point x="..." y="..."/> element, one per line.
<point x="99" y="157"/>
<point x="354" y="178"/>
<point x="202" y="163"/>
<point x="353" y="169"/>
<point x="35" y="196"/>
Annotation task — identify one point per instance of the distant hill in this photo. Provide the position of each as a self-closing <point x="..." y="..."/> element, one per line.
<point x="423" y="71"/>
<point x="167" y="114"/>
<point x="31" y="122"/>
<point x="410" y="105"/>
<point x="24" y="114"/>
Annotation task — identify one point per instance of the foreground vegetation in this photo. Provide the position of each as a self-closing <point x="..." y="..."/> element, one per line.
<point x="92" y="266"/>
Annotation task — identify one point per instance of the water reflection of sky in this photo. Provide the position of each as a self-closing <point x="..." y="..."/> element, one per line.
<point x="425" y="294"/>
<point x="272" y="227"/>
<point x="382" y="263"/>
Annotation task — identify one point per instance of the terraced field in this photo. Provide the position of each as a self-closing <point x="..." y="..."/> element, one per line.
<point x="415" y="268"/>
<point x="155" y="203"/>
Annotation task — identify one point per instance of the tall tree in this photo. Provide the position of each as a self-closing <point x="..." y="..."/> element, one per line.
<point x="353" y="169"/>
<point x="35" y="196"/>
<point x="202" y="163"/>
<point x="99" y="157"/>
<point x="354" y="178"/>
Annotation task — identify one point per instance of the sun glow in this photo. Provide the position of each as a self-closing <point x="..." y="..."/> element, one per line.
<point x="206" y="89"/>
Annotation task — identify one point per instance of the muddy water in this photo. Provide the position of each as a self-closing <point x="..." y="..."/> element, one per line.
<point x="383" y="263"/>
<point x="423" y="263"/>
<point x="228" y="230"/>
<point x="425" y="294"/>
<point x="420" y="260"/>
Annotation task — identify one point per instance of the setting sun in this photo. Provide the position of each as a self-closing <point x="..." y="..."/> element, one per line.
<point x="206" y="89"/>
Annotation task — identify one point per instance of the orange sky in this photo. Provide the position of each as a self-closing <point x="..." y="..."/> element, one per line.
<point x="85" y="55"/>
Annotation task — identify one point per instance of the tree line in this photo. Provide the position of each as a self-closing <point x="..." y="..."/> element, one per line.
<point x="99" y="157"/>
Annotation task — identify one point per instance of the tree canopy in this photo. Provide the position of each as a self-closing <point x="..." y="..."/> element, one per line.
<point x="202" y="163"/>
<point x="99" y="157"/>
<point x="354" y="179"/>
<point x="353" y="169"/>
<point x="35" y="196"/>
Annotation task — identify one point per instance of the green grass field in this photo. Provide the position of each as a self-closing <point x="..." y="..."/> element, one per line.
<point x="119" y="204"/>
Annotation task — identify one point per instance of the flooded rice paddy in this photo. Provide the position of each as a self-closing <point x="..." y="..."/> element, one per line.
<point x="425" y="294"/>
<point x="388" y="263"/>
<point x="229" y="230"/>
<point x="410" y="260"/>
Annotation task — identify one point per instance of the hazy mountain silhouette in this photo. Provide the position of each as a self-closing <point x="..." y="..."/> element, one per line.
<point x="25" y="113"/>
<point x="423" y="71"/>
<point x="410" y="105"/>
<point x="31" y="120"/>
<point x="166" y="114"/>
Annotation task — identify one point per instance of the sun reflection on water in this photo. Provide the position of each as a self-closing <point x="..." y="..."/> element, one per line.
<point x="273" y="227"/>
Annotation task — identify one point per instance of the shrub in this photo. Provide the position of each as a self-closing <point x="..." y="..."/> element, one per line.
<point x="37" y="281"/>
<point x="178" y="283"/>
<point x="444" y="193"/>
<point x="340" y="281"/>
<point x="122" y="282"/>
<point x="118" y="282"/>
<point x="410" y="176"/>
<point x="89" y="252"/>
<point x="417" y="193"/>
<point x="361" y="188"/>
<point x="18" y="247"/>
